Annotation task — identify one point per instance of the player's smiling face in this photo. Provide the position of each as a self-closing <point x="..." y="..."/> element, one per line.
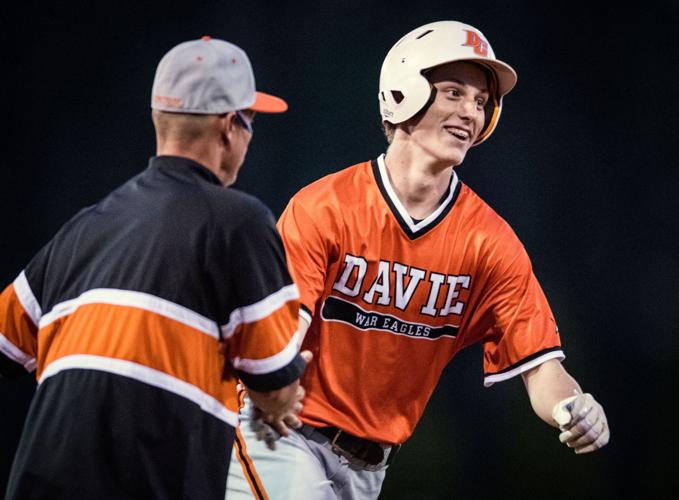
<point x="449" y="127"/>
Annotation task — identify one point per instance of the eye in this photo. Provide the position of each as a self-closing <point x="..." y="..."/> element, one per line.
<point x="481" y="102"/>
<point x="453" y="93"/>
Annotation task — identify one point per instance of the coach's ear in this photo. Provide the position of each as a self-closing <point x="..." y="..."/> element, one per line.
<point x="227" y="127"/>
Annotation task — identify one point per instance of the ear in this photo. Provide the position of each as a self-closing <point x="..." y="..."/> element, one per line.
<point x="227" y="126"/>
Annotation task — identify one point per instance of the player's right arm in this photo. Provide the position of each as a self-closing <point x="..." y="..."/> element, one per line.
<point x="307" y="259"/>
<point x="309" y="247"/>
<point x="303" y="327"/>
<point x="261" y="337"/>
<point x="280" y="408"/>
<point x="284" y="404"/>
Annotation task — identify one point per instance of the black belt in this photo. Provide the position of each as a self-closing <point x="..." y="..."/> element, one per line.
<point x="363" y="449"/>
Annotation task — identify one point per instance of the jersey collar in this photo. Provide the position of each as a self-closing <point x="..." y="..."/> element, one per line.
<point x="410" y="227"/>
<point x="183" y="166"/>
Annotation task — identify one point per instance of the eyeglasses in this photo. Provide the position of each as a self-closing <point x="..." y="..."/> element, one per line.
<point x="244" y="121"/>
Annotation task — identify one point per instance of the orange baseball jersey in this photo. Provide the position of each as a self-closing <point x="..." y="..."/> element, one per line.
<point x="392" y="300"/>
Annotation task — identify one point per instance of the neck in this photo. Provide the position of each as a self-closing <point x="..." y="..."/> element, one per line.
<point x="199" y="151"/>
<point x="419" y="182"/>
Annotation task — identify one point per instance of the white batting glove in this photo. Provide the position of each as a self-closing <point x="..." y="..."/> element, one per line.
<point x="583" y="422"/>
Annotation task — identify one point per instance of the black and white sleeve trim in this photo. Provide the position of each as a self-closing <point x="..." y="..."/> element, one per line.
<point x="305" y="313"/>
<point x="260" y="309"/>
<point x="275" y="380"/>
<point x="524" y="365"/>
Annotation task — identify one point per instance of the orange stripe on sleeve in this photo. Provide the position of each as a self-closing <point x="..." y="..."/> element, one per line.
<point x="17" y="329"/>
<point x="267" y="337"/>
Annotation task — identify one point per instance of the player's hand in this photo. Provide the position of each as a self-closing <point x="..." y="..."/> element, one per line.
<point x="263" y="431"/>
<point x="583" y="423"/>
<point x="274" y="417"/>
<point x="270" y="427"/>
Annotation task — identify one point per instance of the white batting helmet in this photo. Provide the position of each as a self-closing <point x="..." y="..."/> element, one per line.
<point x="405" y="90"/>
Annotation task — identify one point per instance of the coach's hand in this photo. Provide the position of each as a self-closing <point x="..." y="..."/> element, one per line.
<point x="583" y="422"/>
<point x="276" y="412"/>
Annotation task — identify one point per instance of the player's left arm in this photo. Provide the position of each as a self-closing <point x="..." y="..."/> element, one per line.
<point x="557" y="399"/>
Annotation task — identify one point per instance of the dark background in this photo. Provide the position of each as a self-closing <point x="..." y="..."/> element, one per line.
<point x="582" y="165"/>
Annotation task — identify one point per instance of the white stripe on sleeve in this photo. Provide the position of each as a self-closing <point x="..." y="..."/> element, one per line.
<point x="270" y="364"/>
<point x="305" y="315"/>
<point x="27" y="299"/>
<point x="260" y="309"/>
<point x="499" y="377"/>
<point x="146" y="375"/>
<point x="139" y="300"/>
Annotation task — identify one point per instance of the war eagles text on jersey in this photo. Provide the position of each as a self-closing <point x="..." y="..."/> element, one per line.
<point x="422" y="293"/>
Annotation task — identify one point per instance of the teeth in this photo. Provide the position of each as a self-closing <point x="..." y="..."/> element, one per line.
<point x="462" y="134"/>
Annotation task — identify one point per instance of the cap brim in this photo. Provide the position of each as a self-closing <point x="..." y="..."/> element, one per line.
<point x="506" y="76"/>
<point x="267" y="103"/>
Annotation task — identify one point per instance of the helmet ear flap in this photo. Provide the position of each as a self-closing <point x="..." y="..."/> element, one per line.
<point x="402" y="101"/>
<point x="389" y="100"/>
<point x="430" y="100"/>
<point x="397" y="95"/>
<point x="492" y="111"/>
<point x="492" y="108"/>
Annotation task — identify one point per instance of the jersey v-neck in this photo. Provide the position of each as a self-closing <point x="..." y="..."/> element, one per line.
<point x="411" y="227"/>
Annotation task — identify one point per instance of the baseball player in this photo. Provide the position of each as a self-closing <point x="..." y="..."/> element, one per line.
<point x="400" y="266"/>
<point x="144" y="308"/>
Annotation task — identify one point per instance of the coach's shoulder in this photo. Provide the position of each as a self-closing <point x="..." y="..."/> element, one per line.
<point x="239" y="205"/>
<point x="249" y="205"/>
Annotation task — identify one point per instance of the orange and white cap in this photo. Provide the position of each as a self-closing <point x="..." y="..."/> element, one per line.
<point x="209" y="76"/>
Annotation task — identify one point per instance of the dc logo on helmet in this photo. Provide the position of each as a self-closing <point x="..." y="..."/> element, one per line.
<point x="479" y="44"/>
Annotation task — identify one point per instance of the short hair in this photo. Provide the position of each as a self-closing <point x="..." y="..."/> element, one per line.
<point x="181" y="127"/>
<point x="389" y="130"/>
